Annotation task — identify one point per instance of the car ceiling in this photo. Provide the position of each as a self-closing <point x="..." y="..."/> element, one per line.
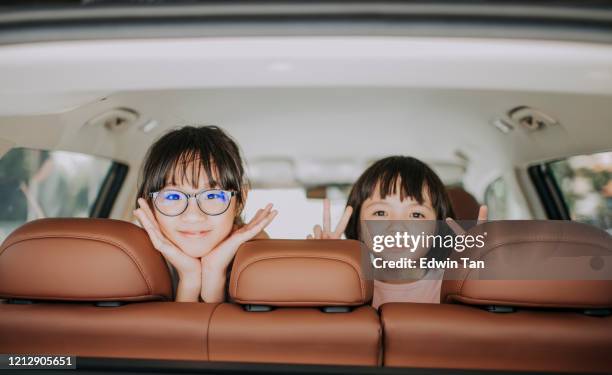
<point x="323" y="99"/>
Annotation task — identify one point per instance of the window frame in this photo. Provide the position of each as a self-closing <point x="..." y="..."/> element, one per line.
<point x="548" y="190"/>
<point x="109" y="190"/>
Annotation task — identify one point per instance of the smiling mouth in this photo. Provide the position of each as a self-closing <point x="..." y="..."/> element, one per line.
<point x="193" y="233"/>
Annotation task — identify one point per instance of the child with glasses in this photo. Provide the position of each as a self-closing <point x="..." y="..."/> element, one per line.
<point x="193" y="189"/>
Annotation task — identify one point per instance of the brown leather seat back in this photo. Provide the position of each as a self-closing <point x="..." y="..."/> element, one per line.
<point x="147" y="330"/>
<point x="459" y="336"/>
<point x="529" y="325"/>
<point x="84" y="287"/>
<point x="294" y="283"/>
<point x="465" y="206"/>
<point x="295" y="335"/>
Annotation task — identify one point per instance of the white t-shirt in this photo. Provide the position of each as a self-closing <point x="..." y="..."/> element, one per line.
<point x="426" y="290"/>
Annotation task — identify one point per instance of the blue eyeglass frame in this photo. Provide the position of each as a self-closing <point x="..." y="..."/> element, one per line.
<point x="230" y="193"/>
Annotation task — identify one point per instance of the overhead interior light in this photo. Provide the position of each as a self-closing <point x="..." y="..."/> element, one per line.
<point x="502" y="125"/>
<point x="114" y="120"/>
<point x="532" y="119"/>
<point x="149" y="126"/>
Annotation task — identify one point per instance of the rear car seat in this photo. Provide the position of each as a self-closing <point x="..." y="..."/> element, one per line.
<point x="96" y="288"/>
<point x="298" y="301"/>
<point x="534" y="324"/>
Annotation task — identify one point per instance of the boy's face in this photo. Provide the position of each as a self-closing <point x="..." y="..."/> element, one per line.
<point x="193" y="231"/>
<point x="396" y="215"/>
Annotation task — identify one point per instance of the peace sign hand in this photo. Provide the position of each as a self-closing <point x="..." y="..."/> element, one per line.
<point x="483" y="214"/>
<point x="326" y="233"/>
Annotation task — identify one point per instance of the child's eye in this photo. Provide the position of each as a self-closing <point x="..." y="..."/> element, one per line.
<point x="220" y="195"/>
<point x="417" y="215"/>
<point x="172" y="196"/>
<point x="379" y="213"/>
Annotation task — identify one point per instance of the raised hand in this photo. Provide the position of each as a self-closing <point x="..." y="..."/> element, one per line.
<point x="214" y="264"/>
<point x="32" y="200"/>
<point x="326" y="232"/>
<point x="189" y="268"/>
<point x="483" y="216"/>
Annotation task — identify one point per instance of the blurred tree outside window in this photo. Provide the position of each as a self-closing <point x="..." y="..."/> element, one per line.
<point x="586" y="185"/>
<point x="38" y="183"/>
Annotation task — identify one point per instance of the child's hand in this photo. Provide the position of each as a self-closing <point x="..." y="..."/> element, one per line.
<point x="483" y="214"/>
<point x="326" y="233"/>
<point x="219" y="257"/>
<point x="184" y="264"/>
<point x="214" y="264"/>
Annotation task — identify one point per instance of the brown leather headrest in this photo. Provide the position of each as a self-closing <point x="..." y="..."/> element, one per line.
<point x="465" y="206"/>
<point x="82" y="260"/>
<point x="300" y="273"/>
<point x="554" y="264"/>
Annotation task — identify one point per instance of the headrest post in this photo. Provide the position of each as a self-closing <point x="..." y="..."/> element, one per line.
<point x="108" y="304"/>
<point x="336" y="309"/>
<point x="501" y="309"/>
<point x="597" y="312"/>
<point x="19" y="301"/>
<point x="257" y="308"/>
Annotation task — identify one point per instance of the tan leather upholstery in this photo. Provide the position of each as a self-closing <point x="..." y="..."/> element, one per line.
<point x="82" y="260"/>
<point x="300" y="273"/>
<point x="295" y="335"/>
<point x="544" y="331"/>
<point x="465" y="206"/>
<point x="297" y="275"/>
<point x="457" y="336"/>
<point x="193" y="331"/>
<point x="153" y="330"/>
<point x="96" y="260"/>
<point x="520" y="249"/>
<point x="93" y="260"/>
<point x="581" y="294"/>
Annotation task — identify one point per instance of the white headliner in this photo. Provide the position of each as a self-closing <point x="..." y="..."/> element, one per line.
<point x="49" y="77"/>
<point x="352" y="98"/>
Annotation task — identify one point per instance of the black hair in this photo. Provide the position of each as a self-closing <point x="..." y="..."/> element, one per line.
<point x="414" y="176"/>
<point x="171" y="156"/>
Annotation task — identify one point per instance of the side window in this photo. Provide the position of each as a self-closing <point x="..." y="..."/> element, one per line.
<point x="586" y="186"/>
<point x="496" y="199"/>
<point x="37" y="183"/>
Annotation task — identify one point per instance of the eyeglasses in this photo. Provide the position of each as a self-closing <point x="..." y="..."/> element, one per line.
<point x="171" y="202"/>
